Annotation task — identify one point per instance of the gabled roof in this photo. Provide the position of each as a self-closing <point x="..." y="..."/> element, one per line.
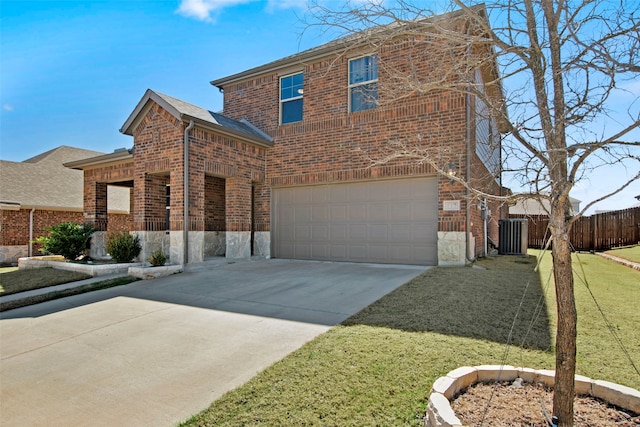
<point x="185" y="111"/>
<point x="43" y="182"/>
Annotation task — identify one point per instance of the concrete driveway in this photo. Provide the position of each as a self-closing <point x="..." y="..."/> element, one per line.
<point x="155" y="352"/>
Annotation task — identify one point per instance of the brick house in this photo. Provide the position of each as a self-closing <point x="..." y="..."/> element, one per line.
<point x="289" y="168"/>
<point x="40" y="192"/>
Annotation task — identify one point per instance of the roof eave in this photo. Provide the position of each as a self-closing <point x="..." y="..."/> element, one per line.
<point x="228" y="132"/>
<point x="6" y="205"/>
<point x="289" y="61"/>
<point x="144" y="105"/>
<point x="116" y="157"/>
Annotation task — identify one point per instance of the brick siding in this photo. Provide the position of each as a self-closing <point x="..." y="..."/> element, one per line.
<point x="14" y="225"/>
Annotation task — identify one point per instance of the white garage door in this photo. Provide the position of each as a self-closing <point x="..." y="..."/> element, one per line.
<point x="393" y="221"/>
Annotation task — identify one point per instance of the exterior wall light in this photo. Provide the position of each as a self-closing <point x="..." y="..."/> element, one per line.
<point x="451" y="172"/>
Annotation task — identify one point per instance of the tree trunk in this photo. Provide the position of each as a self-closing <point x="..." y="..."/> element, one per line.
<point x="564" y="389"/>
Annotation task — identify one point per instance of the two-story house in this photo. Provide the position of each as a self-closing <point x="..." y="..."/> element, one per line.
<point x="305" y="162"/>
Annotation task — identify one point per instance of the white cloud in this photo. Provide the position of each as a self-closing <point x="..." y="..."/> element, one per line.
<point x="7" y="107"/>
<point x="287" y="4"/>
<point x="202" y="9"/>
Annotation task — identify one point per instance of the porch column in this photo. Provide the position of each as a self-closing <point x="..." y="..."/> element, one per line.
<point x="95" y="213"/>
<point x="196" y="211"/>
<point x="149" y="213"/>
<point x="238" y="217"/>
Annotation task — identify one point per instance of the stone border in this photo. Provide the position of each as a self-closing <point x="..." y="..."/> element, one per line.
<point x="622" y="261"/>
<point x="90" y="269"/>
<point x="149" y="272"/>
<point x="440" y="414"/>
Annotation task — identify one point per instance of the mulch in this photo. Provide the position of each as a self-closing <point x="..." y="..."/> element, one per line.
<point x="503" y="404"/>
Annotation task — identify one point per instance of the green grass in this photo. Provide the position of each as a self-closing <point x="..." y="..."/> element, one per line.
<point x="378" y="367"/>
<point x="7" y="269"/>
<point x="25" y="280"/>
<point x="632" y="253"/>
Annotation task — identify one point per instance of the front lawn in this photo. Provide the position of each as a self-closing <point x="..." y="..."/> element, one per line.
<point x="377" y="368"/>
<point x="25" y="280"/>
<point x="632" y="253"/>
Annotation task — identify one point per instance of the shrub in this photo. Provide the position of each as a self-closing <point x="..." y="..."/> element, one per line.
<point x="123" y="247"/>
<point x="157" y="258"/>
<point x="67" y="239"/>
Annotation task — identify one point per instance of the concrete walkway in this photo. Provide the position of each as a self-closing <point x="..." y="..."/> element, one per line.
<point x="154" y="352"/>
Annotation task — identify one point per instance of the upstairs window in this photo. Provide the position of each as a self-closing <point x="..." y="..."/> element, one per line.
<point x="363" y="83"/>
<point x="291" y="98"/>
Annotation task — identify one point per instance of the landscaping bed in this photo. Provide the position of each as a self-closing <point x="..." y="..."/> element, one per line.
<point x="507" y="405"/>
<point x="93" y="270"/>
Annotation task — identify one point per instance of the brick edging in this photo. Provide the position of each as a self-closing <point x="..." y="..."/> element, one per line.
<point x="440" y="414"/>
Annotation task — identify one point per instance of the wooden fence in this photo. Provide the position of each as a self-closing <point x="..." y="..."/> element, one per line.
<point x="597" y="232"/>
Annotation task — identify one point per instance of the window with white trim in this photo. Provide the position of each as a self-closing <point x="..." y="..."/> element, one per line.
<point x="291" y="98"/>
<point x="363" y="83"/>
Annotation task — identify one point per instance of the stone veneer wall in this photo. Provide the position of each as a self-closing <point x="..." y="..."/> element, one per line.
<point x="452" y="248"/>
<point x="262" y="244"/>
<point x="196" y="247"/>
<point x="11" y="253"/>
<point x="238" y="244"/>
<point x="215" y="243"/>
<point x="152" y="241"/>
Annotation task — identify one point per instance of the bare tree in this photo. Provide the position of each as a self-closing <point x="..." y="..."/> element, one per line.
<point x="560" y="66"/>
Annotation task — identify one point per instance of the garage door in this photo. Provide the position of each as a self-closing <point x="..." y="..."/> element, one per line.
<point x="393" y="221"/>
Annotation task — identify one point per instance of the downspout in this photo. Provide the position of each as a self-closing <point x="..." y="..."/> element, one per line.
<point x="185" y="226"/>
<point x="485" y="209"/>
<point x="468" y="178"/>
<point x="31" y="231"/>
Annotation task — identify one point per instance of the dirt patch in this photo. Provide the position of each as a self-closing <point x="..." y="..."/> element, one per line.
<point x="523" y="406"/>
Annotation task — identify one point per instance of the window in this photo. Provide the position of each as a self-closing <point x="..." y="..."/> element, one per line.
<point x="363" y="83"/>
<point x="291" y="98"/>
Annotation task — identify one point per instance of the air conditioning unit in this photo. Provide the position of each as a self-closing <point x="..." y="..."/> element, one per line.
<point x="513" y="236"/>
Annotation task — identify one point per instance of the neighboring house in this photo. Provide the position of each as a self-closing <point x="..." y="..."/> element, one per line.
<point x="539" y="206"/>
<point x="285" y="169"/>
<point x="40" y="192"/>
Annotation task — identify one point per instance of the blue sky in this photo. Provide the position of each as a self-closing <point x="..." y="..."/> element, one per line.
<point x="72" y="71"/>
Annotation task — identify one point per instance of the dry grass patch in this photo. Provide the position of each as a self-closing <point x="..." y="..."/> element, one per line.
<point x="482" y="302"/>
<point x="48" y="296"/>
<point x="25" y="280"/>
